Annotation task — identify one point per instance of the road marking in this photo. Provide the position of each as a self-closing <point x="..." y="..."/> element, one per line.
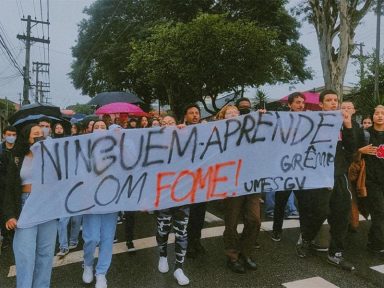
<point x="210" y="218"/>
<point x="379" y="268"/>
<point x="150" y="242"/>
<point x="317" y="282"/>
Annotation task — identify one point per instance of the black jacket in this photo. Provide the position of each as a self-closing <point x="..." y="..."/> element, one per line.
<point x="12" y="193"/>
<point x="344" y="151"/>
<point x="375" y="165"/>
<point x="5" y="159"/>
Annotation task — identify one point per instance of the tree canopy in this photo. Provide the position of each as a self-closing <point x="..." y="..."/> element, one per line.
<point x="335" y="22"/>
<point x="183" y="51"/>
<point x="363" y="96"/>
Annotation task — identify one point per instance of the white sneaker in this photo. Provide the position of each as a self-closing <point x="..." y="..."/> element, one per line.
<point x="88" y="274"/>
<point x="163" y="265"/>
<point x="101" y="281"/>
<point x="180" y="277"/>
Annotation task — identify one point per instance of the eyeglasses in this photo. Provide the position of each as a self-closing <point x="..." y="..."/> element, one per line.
<point x="170" y="123"/>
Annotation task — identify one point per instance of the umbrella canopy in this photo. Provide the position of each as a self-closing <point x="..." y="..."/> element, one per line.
<point x="35" y="109"/>
<point x="111" y="97"/>
<point x="311" y="100"/>
<point x="119" y="107"/>
<point x="33" y="118"/>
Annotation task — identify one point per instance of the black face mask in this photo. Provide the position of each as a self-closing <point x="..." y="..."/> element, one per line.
<point x="38" y="139"/>
<point x="58" y="135"/>
<point x="244" y="111"/>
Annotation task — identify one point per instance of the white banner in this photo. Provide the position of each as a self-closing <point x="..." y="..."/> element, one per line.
<point x="157" y="168"/>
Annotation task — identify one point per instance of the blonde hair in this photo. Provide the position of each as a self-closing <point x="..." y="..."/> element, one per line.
<point x="221" y="114"/>
<point x="379" y="107"/>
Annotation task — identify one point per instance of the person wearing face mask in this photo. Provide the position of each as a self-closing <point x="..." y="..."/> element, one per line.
<point x="9" y="136"/>
<point x="33" y="247"/>
<point x="45" y="125"/>
<point x="98" y="230"/>
<point x="244" y="105"/>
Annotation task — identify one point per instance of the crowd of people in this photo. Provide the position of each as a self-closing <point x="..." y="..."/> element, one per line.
<point x="34" y="247"/>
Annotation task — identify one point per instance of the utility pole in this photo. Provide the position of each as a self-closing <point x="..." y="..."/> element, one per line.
<point x="28" y="41"/>
<point x="38" y="84"/>
<point x="361" y="59"/>
<point x="377" y="58"/>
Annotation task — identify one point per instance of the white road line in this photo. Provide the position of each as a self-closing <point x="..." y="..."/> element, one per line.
<point x="379" y="268"/>
<point x="317" y="282"/>
<point x="210" y="218"/>
<point x="150" y="242"/>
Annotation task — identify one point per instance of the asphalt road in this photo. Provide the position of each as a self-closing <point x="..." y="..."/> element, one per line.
<point x="278" y="264"/>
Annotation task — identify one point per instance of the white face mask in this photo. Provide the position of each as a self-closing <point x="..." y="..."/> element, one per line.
<point x="10" y="139"/>
<point x="98" y="130"/>
<point x="45" y="131"/>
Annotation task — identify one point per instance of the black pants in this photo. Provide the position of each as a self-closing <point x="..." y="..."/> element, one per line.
<point x="281" y="200"/>
<point x="376" y="208"/>
<point x="129" y="225"/>
<point x="316" y="205"/>
<point x="340" y="209"/>
<point x="335" y="203"/>
<point x="196" y="221"/>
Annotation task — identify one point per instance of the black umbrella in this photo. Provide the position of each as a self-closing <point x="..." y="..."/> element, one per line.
<point x="112" y="97"/>
<point x="35" y="109"/>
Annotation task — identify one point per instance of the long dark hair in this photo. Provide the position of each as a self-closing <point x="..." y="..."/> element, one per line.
<point x="22" y="144"/>
<point x="58" y="135"/>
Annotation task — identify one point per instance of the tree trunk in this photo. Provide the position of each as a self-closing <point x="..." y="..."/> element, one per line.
<point x="335" y="23"/>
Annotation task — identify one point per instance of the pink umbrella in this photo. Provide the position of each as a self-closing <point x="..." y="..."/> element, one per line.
<point x="311" y="100"/>
<point x="120" y="107"/>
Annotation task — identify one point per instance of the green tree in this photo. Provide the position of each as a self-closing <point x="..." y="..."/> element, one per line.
<point x="7" y="106"/>
<point x="82" y="108"/>
<point x="104" y="48"/>
<point x="363" y="95"/>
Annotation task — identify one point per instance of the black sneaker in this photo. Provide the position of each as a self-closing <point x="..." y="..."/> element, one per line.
<point x="338" y="260"/>
<point x="317" y="247"/>
<point x="236" y="266"/>
<point x="276" y="236"/>
<point x="303" y="248"/>
<point x="131" y="247"/>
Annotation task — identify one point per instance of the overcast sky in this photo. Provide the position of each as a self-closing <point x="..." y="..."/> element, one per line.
<point x="64" y="15"/>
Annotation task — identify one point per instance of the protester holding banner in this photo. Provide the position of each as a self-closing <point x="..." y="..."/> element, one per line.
<point x="197" y="210"/>
<point x="33" y="247"/>
<point x="374" y="159"/>
<point x="98" y="230"/>
<point x="285" y="199"/>
<point x="58" y="131"/>
<point x="176" y="217"/>
<point x="246" y="207"/>
<point x="336" y="199"/>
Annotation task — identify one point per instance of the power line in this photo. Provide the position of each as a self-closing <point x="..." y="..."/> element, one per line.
<point x="21" y="6"/>
<point x="10" y="55"/>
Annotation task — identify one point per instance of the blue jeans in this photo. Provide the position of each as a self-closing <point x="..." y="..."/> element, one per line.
<point x="269" y="203"/>
<point x="291" y="207"/>
<point x="74" y="231"/>
<point x="34" y="249"/>
<point x="99" y="229"/>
